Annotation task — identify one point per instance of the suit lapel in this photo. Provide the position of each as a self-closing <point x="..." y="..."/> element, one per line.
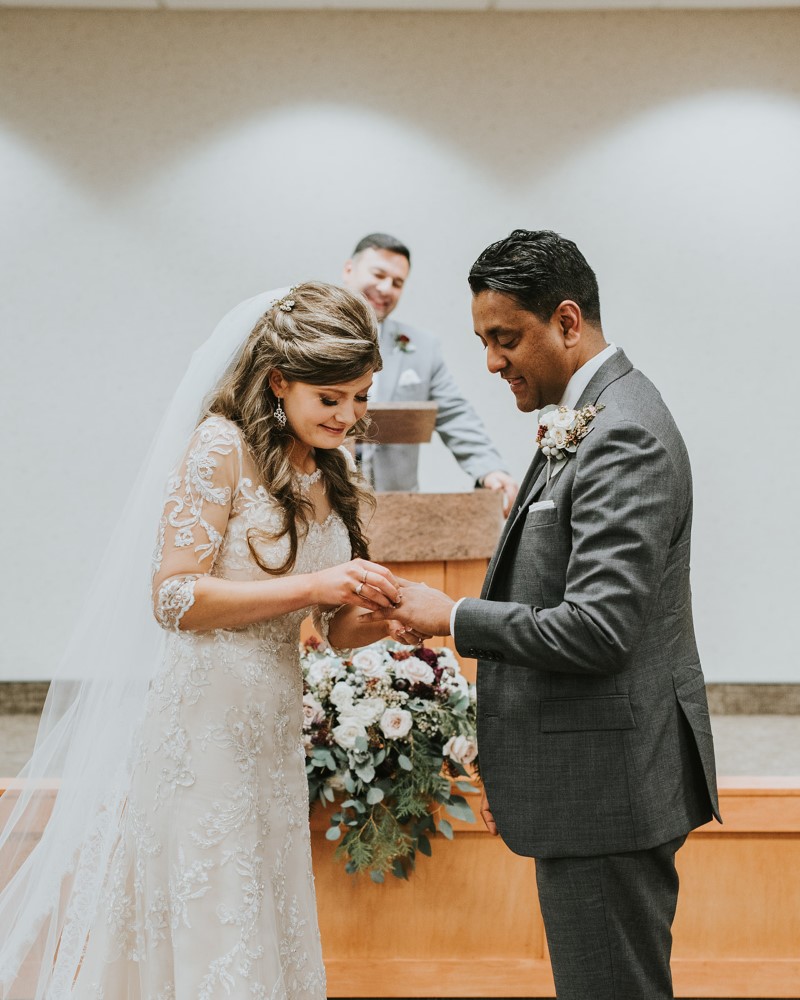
<point x="392" y="361"/>
<point x="616" y="366"/>
<point x="536" y="476"/>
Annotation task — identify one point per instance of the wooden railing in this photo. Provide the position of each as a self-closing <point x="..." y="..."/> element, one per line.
<point x="467" y="924"/>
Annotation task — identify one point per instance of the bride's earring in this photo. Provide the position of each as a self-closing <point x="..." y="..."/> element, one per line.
<point x="279" y="414"/>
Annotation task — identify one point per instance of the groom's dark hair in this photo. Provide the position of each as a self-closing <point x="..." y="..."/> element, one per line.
<point x="539" y="269"/>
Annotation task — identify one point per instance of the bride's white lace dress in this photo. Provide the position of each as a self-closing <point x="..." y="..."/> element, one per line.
<point x="210" y="892"/>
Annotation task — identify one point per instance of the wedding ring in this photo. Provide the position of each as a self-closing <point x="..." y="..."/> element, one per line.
<point x="364" y="577"/>
<point x="358" y="589"/>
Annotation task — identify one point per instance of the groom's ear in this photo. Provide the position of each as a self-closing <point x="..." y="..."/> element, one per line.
<point x="570" y="319"/>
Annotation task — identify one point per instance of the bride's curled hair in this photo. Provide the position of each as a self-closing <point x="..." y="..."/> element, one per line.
<point x="326" y="337"/>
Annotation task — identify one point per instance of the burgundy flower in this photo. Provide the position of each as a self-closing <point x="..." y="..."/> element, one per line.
<point x="427" y="655"/>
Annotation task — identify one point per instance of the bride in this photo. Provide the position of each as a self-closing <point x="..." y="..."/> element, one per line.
<point x="177" y="863"/>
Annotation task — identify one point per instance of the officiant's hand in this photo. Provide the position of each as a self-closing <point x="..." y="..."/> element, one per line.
<point x="502" y="482"/>
<point x="486" y="815"/>
<point x="421" y="608"/>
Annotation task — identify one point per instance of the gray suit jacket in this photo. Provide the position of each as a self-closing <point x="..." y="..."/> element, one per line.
<point x="593" y="725"/>
<point x="421" y="374"/>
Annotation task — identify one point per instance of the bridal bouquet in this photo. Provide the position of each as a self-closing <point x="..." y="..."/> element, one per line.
<point x="390" y="730"/>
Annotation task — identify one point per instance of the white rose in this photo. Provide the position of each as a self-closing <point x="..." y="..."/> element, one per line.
<point x="396" y="723"/>
<point x="320" y="670"/>
<point x="370" y="662"/>
<point x="547" y="417"/>
<point x="366" y="712"/>
<point x="559" y="437"/>
<point x="341" y="694"/>
<point x="447" y="658"/>
<point x="564" y="421"/>
<point x="414" y="670"/>
<point x="461" y="749"/>
<point x="347" y="732"/>
<point x="313" y="712"/>
<point x="456" y="683"/>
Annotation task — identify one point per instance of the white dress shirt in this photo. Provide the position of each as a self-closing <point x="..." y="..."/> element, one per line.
<point x="575" y="388"/>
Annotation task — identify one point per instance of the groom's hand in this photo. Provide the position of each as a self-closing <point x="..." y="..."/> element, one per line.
<point x="486" y="815"/>
<point x="421" y="608"/>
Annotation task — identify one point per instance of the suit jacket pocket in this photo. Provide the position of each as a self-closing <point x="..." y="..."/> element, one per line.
<point x="538" y="516"/>
<point x="570" y="715"/>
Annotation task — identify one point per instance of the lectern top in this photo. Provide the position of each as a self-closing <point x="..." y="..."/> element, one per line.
<point x="402" y="423"/>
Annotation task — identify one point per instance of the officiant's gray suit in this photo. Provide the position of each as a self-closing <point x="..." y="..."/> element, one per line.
<point x="419" y="373"/>
<point x="593" y="725"/>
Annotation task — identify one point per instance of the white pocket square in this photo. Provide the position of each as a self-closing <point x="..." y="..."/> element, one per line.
<point x="540" y="505"/>
<point x="409" y="377"/>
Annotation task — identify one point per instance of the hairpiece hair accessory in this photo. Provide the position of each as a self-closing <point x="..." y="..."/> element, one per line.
<point x="286" y="304"/>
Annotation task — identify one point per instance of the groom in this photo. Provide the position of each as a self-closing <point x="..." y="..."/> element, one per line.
<point x="595" y="744"/>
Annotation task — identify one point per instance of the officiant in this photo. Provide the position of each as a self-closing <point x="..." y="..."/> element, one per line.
<point x="414" y="370"/>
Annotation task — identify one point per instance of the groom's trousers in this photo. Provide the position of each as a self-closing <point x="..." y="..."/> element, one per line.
<point x="608" y="921"/>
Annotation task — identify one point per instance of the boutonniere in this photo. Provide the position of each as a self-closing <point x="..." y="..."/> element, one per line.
<point x="402" y="342"/>
<point x="561" y="430"/>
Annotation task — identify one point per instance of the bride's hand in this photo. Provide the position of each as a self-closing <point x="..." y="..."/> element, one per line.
<point x="405" y="634"/>
<point x="359" y="582"/>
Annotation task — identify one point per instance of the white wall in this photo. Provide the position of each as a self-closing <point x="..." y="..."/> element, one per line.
<point x="155" y="168"/>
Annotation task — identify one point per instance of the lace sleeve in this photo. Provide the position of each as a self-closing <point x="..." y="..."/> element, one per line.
<point x="194" y="518"/>
<point x="322" y="623"/>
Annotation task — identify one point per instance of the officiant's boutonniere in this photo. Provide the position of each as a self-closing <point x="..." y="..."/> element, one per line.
<point x="561" y="430"/>
<point x="402" y="342"/>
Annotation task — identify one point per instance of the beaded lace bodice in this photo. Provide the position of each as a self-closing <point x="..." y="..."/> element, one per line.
<point x="210" y="891"/>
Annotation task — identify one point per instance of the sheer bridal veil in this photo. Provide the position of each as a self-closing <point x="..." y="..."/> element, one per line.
<point x="83" y="756"/>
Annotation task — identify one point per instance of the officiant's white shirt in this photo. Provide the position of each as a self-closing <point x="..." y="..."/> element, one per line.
<point x="575" y="388"/>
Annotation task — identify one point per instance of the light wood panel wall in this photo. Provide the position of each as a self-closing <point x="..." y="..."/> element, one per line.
<point x="468" y="923"/>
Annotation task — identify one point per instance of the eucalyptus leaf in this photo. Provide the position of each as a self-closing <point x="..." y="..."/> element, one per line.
<point x="398" y="869"/>
<point x="424" y="845"/>
<point x="445" y="829"/>
<point x="349" y="782"/>
<point x="361" y="743"/>
<point x="377" y="877"/>
<point x="374" y="795"/>
<point x="458" y="808"/>
<point x="333" y="834"/>
<point x="404" y="762"/>
<point x="366" y="773"/>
